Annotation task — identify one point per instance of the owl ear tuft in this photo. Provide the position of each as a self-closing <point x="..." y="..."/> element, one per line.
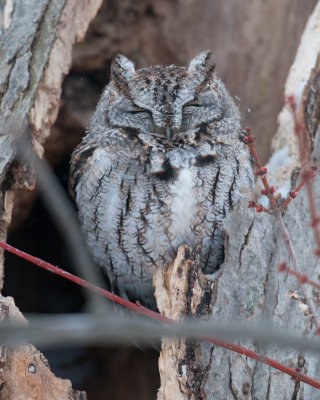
<point x="122" y="69"/>
<point x="200" y="62"/>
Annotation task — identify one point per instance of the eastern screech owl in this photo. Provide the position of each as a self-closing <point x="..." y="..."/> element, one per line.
<point x="161" y="165"/>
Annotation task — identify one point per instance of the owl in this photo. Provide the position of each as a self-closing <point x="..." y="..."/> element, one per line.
<point x="161" y="165"/>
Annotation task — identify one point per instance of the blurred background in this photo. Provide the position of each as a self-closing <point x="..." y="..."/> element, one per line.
<point x="253" y="43"/>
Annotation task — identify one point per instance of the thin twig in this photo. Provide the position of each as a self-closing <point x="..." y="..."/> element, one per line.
<point x="292" y="195"/>
<point x="302" y="278"/>
<point x="118" y="328"/>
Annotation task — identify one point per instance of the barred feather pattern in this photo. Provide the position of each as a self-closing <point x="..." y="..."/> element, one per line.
<point x="161" y="165"/>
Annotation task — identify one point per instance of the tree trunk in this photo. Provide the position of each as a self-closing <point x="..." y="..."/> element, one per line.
<point x="248" y="287"/>
<point x="36" y="53"/>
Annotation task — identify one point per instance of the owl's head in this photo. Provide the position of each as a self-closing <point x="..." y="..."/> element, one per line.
<point x="165" y="101"/>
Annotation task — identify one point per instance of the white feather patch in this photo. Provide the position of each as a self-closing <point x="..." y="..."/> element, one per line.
<point x="183" y="203"/>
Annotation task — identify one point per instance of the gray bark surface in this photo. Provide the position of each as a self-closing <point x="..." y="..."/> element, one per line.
<point x="35" y="55"/>
<point x="24" y="52"/>
<point x="248" y="287"/>
<point x="249" y="290"/>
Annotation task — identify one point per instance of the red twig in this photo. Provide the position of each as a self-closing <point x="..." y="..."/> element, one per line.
<point x="259" y="207"/>
<point x="302" y="278"/>
<point x="137" y="308"/>
<point x="79" y="281"/>
<point x="261" y="171"/>
<point x="269" y="190"/>
<point x="292" y="195"/>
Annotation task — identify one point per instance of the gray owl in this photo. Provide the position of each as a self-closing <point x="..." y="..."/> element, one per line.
<point x="162" y="164"/>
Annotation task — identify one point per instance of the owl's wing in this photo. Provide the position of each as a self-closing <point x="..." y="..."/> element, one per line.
<point x="79" y="160"/>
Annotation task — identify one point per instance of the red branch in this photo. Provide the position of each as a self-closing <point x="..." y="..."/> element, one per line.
<point x="292" y="194"/>
<point x="306" y="176"/>
<point x="261" y="171"/>
<point x="302" y="278"/>
<point x="137" y="308"/>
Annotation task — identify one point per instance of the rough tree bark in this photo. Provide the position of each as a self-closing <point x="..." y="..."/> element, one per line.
<point x="35" y="54"/>
<point x="248" y="287"/>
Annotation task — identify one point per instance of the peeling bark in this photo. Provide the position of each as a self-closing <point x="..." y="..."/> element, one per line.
<point x="182" y="291"/>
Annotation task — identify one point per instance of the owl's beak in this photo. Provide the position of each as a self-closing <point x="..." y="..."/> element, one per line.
<point x="168" y="133"/>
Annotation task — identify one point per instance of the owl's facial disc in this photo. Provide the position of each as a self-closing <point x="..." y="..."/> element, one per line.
<point x="165" y="100"/>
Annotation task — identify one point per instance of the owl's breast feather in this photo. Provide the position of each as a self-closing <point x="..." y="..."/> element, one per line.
<point x="183" y="203"/>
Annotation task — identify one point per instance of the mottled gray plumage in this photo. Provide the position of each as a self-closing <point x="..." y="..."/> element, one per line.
<point x="161" y="165"/>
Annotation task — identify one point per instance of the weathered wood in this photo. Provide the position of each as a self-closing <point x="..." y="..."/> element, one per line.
<point x="35" y="55"/>
<point x="24" y="371"/>
<point x="183" y="291"/>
